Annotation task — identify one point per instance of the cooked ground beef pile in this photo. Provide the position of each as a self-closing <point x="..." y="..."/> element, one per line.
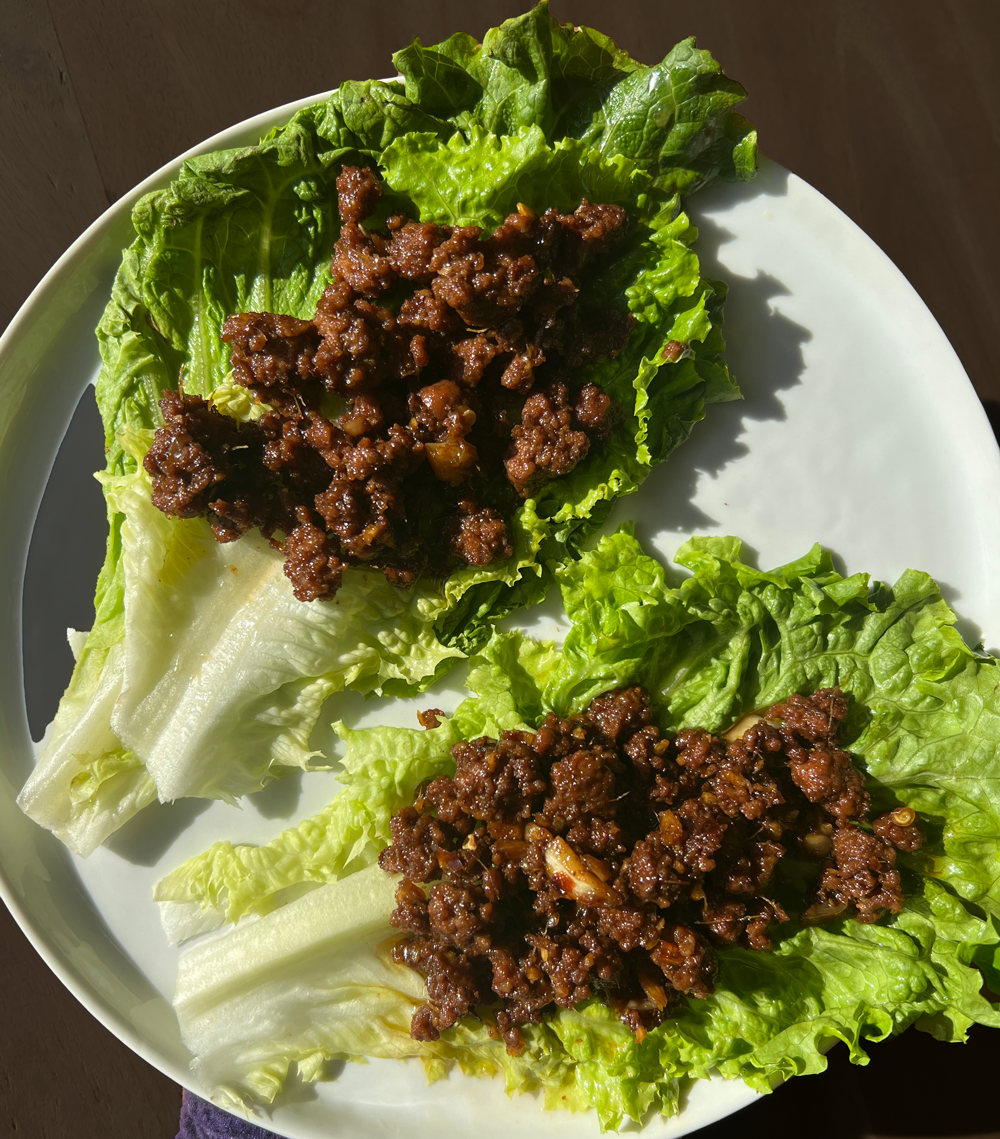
<point x="458" y="400"/>
<point x="597" y="857"/>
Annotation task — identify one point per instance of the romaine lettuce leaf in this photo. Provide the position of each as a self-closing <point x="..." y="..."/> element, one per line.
<point x="344" y="991"/>
<point x="380" y="774"/>
<point x="729" y="639"/>
<point x="313" y="981"/>
<point x="724" y="641"/>
<point x="219" y="673"/>
<point x="675" y="119"/>
<point x="86" y="784"/>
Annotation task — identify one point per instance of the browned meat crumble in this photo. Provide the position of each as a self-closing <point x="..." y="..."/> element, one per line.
<point x="598" y="857"/>
<point x="453" y="351"/>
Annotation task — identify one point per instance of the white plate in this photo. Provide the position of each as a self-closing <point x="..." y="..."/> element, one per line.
<point x="859" y="430"/>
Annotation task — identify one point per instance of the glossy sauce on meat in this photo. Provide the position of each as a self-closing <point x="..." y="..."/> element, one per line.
<point x="599" y="857"/>
<point x="453" y="350"/>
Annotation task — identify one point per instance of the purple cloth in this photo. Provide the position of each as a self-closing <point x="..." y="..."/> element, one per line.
<point x="201" y="1120"/>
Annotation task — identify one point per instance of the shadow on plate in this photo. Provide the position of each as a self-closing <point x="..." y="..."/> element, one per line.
<point x="771" y="181"/>
<point x="144" y="839"/>
<point x="970" y="632"/>
<point x="298" y="1090"/>
<point x="765" y="356"/>
<point x="65" y="555"/>
<point x="280" y="799"/>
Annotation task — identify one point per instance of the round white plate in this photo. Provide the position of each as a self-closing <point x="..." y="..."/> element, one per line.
<point x="859" y="430"/>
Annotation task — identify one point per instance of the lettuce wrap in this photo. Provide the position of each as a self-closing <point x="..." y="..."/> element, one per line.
<point x="307" y="979"/>
<point x="202" y="675"/>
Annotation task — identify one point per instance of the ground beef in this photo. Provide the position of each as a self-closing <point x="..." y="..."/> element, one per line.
<point x="454" y="351"/>
<point x="204" y="463"/>
<point x="861" y="874"/>
<point x="477" y="536"/>
<point x="310" y="562"/>
<point x="547" y="442"/>
<point x="273" y="356"/>
<point x="600" y="857"/>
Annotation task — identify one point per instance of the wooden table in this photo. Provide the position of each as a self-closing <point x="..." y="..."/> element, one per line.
<point x="889" y="107"/>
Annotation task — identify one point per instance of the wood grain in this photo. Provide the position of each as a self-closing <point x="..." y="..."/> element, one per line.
<point x="50" y="184"/>
<point x="192" y="69"/>
<point x="891" y="109"/>
<point x="63" y="1075"/>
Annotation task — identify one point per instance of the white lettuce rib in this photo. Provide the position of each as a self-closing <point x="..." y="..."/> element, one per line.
<point x="184" y="920"/>
<point x="215" y="674"/>
<point x="224" y="670"/>
<point x="79" y="740"/>
<point x="308" y="982"/>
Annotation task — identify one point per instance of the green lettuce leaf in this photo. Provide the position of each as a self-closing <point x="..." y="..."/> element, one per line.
<point x="709" y="648"/>
<point x="730" y="639"/>
<point x="774" y="1014"/>
<point x="380" y="774"/>
<point x="675" y="120"/>
<point x="218" y="674"/>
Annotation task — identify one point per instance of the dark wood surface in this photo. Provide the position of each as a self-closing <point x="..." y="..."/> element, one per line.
<point x="889" y="107"/>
